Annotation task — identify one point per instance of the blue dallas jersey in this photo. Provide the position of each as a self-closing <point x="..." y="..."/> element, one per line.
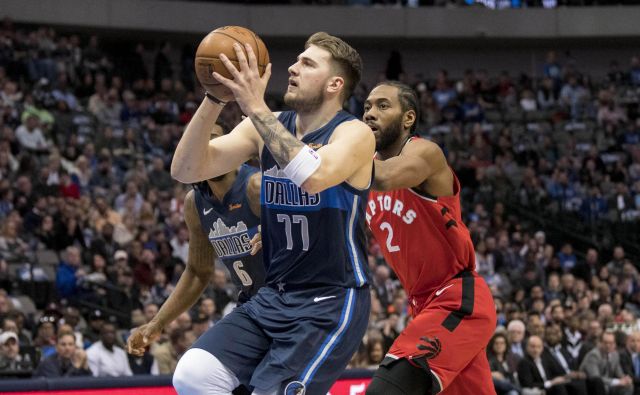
<point x="312" y="240"/>
<point x="230" y="225"/>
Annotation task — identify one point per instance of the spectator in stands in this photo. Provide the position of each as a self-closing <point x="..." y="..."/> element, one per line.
<point x="559" y="359"/>
<point x="11" y="360"/>
<point x="536" y="372"/>
<point x="199" y="325"/>
<point x="70" y="274"/>
<point x="31" y="137"/>
<point x="168" y="354"/>
<point x="67" y="361"/>
<point x="503" y="365"/>
<point x="515" y="335"/>
<point x="604" y="362"/>
<point x="208" y="308"/>
<point x="95" y="320"/>
<point x="634" y="71"/>
<point x="106" y="359"/>
<point x="180" y="243"/>
<point x="383" y="285"/>
<point x="45" y="337"/>
<point x="14" y="322"/>
<point x="630" y="359"/>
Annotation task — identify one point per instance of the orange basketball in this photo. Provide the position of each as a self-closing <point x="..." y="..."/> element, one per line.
<point x="221" y="41"/>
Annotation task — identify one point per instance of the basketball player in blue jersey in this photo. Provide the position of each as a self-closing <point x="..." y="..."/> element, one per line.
<point x="298" y="333"/>
<point x="223" y="218"/>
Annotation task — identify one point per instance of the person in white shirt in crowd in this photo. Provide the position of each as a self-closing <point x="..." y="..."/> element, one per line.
<point x="30" y="135"/>
<point x="180" y="244"/>
<point x="106" y="359"/>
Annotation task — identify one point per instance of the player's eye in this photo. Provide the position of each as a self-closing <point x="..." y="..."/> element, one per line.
<point x="383" y="106"/>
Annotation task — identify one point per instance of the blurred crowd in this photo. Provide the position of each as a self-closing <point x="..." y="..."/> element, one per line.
<point x="494" y="4"/>
<point x="92" y="237"/>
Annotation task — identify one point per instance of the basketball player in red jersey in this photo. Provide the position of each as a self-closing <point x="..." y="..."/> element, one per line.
<point x="415" y="215"/>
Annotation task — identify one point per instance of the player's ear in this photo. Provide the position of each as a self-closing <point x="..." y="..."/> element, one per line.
<point x="335" y="84"/>
<point x="408" y="119"/>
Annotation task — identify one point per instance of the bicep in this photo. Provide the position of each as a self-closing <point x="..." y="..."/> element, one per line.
<point x="419" y="160"/>
<point x="403" y="171"/>
<point x="343" y="157"/>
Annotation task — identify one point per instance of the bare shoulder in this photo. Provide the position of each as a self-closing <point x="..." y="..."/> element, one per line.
<point x="189" y="199"/>
<point x="354" y="130"/>
<point x="424" y="148"/>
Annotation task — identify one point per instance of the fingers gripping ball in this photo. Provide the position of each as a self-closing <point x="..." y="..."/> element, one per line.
<point x="220" y="41"/>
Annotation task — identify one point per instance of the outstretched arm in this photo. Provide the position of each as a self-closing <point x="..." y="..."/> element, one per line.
<point x="199" y="268"/>
<point x="419" y="160"/>
<point x="192" y="283"/>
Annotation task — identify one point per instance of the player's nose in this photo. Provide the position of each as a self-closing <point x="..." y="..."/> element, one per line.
<point x="369" y="115"/>
<point x="292" y="69"/>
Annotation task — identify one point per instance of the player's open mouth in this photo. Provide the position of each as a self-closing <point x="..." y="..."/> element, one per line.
<point x="292" y="83"/>
<point x="373" y="127"/>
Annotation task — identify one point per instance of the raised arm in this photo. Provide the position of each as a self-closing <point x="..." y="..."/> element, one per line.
<point x="352" y="146"/>
<point x="420" y="159"/>
<point x="197" y="158"/>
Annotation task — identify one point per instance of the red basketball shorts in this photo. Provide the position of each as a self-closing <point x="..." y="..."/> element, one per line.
<point x="450" y="333"/>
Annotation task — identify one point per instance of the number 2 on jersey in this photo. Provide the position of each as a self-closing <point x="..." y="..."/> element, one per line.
<point x="304" y="229"/>
<point x="386" y="226"/>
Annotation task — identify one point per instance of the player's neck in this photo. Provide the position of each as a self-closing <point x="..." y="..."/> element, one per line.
<point x="309" y="121"/>
<point x="396" y="148"/>
<point x="220" y="188"/>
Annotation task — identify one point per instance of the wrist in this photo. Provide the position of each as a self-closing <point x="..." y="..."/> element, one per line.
<point x="258" y="109"/>
<point x="214" y="100"/>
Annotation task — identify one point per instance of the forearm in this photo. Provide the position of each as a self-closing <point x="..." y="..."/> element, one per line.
<point x="192" y="150"/>
<point x="188" y="290"/>
<point x="282" y="144"/>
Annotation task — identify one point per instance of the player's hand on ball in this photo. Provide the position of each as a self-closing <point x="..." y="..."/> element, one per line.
<point x="247" y="86"/>
<point x="142" y="337"/>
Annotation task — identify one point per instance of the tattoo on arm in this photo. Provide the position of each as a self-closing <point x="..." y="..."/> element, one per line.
<point x="280" y="142"/>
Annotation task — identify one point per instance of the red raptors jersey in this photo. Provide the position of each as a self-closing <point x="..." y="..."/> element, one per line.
<point x="423" y="239"/>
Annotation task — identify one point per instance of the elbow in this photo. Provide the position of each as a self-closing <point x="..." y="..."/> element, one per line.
<point x="181" y="173"/>
<point x="382" y="183"/>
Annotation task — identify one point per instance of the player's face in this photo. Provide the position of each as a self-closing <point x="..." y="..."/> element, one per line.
<point x="383" y="113"/>
<point x="308" y="78"/>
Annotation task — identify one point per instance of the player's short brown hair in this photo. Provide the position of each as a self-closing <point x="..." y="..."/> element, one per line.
<point x="348" y="63"/>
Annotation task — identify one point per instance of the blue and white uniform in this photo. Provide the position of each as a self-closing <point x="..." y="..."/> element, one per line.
<point x="230" y="225"/>
<point x="303" y="327"/>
